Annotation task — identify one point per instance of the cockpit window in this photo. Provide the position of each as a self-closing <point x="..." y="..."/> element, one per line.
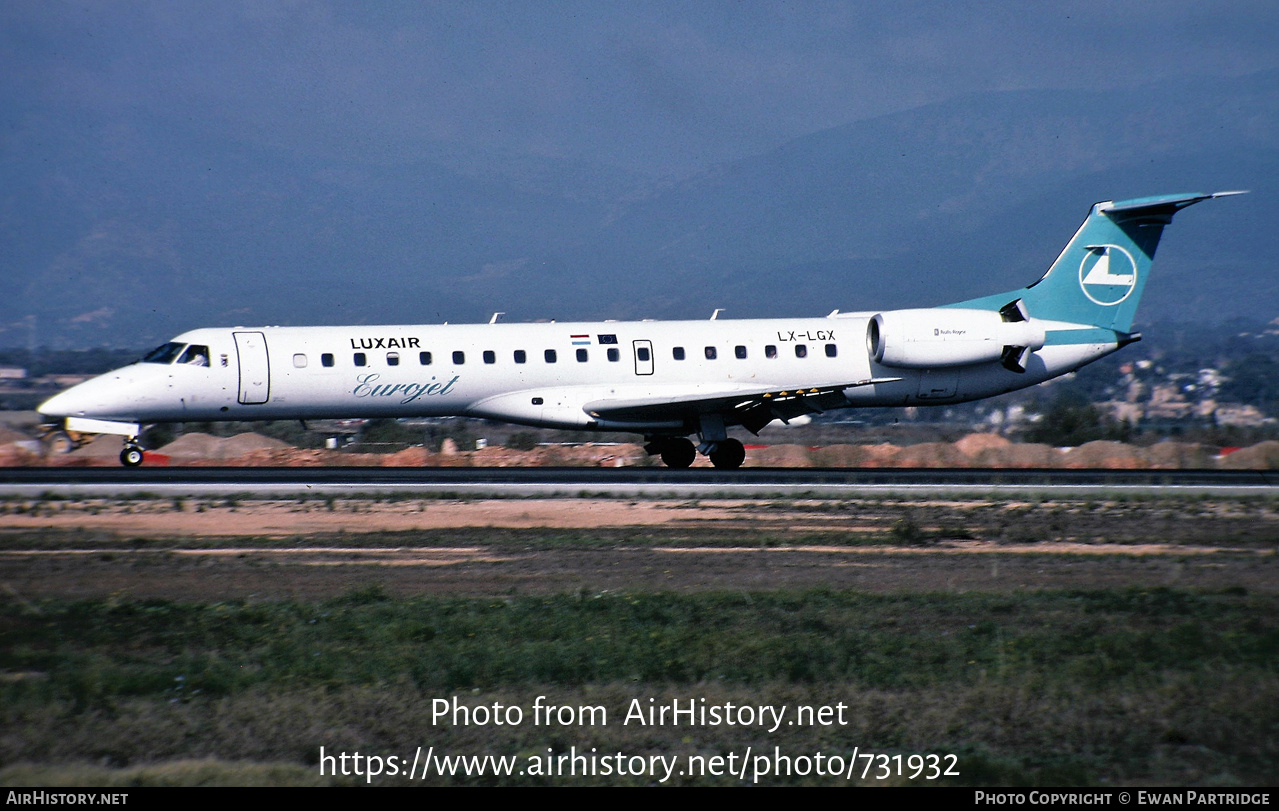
<point x="195" y="355"/>
<point x="167" y="352"/>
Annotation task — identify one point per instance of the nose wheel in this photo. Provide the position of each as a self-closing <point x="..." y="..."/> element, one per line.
<point x="132" y="454"/>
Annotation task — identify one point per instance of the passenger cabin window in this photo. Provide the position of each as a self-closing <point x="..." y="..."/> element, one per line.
<point x="740" y="352"/>
<point x="360" y="359"/>
<point x="326" y="359"/>
<point x="678" y="353"/>
<point x="581" y="356"/>
<point x="549" y="355"/>
<point x="424" y="358"/>
<point x="392" y="358"/>
<point x="770" y="351"/>
<point x="299" y="361"/>
<point x="459" y="358"/>
<point x="197" y="355"/>
<point x="614" y="355"/>
<point x="520" y="357"/>
<point x="830" y="350"/>
<point x="711" y="353"/>
<point x="801" y="350"/>
<point x="490" y="356"/>
<point x="165" y="353"/>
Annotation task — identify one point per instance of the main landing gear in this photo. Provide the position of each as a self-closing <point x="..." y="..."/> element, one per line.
<point x="678" y="453"/>
<point x="132" y="454"/>
<point x="728" y="454"/>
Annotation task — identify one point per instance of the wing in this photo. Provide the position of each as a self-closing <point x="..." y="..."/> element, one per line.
<point x="750" y="408"/>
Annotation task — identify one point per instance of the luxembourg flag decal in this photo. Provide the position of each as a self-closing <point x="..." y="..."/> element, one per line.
<point x="581" y="340"/>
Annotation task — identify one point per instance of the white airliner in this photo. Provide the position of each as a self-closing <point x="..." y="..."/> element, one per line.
<point x="665" y="380"/>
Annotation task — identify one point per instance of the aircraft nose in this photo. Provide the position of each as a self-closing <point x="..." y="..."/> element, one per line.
<point x="106" y="396"/>
<point x="69" y="403"/>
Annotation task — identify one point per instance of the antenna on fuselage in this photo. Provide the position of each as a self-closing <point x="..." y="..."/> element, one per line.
<point x="493" y="320"/>
<point x="715" y="314"/>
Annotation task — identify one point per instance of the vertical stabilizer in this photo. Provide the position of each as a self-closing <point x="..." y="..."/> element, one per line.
<point x="1099" y="278"/>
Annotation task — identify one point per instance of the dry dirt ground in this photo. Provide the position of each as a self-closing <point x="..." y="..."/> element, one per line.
<point x="213" y="550"/>
<point x="973" y="450"/>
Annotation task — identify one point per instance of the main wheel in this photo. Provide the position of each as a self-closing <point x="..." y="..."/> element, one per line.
<point x="131" y="456"/>
<point x="678" y="453"/>
<point x="729" y="455"/>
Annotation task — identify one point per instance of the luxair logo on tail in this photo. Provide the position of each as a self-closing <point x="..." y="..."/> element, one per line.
<point x="1108" y="274"/>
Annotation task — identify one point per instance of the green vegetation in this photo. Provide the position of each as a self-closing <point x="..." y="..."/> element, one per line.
<point x="1070" y="421"/>
<point x="1048" y="687"/>
<point x="393" y="435"/>
<point x="522" y="441"/>
<point x="235" y="665"/>
<point x="1254" y="379"/>
<point x="96" y="651"/>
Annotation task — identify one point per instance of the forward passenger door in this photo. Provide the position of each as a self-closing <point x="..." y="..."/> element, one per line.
<point x="255" y="368"/>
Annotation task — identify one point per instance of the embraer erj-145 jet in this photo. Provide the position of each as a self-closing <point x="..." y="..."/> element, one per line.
<point x="664" y="380"/>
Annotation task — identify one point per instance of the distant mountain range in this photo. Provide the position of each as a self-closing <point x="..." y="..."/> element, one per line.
<point x="126" y="232"/>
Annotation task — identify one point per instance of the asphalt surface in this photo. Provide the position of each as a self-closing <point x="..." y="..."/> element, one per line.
<point x="624" y="482"/>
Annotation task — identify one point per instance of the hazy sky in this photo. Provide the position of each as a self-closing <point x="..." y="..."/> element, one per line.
<point x="659" y="88"/>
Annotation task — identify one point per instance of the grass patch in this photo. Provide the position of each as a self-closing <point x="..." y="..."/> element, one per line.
<point x="1028" y="681"/>
<point x="177" y="773"/>
<point x="95" y="652"/>
<point x="1160" y="685"/>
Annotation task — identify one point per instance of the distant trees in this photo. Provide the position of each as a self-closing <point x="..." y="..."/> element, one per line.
<point x="1254" y="379"/>
<point x="393" y="434"/>
<point x="522" y="441"/>
<point x="1071" y="420"/>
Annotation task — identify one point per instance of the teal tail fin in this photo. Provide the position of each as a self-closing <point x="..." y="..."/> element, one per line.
<point x="1099" y="277"/>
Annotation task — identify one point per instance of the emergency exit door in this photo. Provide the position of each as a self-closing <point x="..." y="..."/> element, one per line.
<point x="255" y="369"/>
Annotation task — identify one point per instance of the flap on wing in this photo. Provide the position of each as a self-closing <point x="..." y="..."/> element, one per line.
<point x="659" y="406"/>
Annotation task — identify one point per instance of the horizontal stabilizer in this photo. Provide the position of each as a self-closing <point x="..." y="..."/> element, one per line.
<point x="1175" y="201"/>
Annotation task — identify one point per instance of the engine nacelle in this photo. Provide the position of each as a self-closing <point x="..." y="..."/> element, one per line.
<point x="922" y="339"/>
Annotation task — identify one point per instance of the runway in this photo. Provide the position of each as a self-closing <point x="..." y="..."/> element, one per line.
<point x="625" y="482"/>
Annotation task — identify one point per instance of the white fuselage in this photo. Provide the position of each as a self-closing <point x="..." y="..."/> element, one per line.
<point x="663" y="379"/>
<point x="660" y="375"/>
